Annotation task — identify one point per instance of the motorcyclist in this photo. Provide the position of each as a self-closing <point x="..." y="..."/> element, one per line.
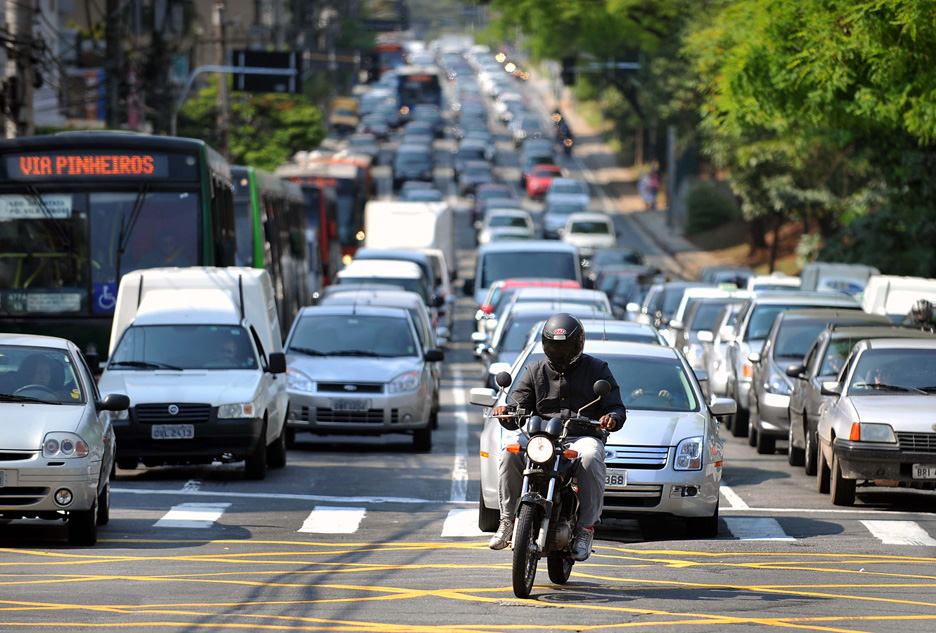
<point x="921" y="315"/>
<point x="559" y="385"/>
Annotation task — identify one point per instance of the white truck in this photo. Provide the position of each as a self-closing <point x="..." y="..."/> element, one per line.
<point x="200" y="353"/>
<point x="833" y="277"/>
<point x="414" y="225"/>
<point x="894" y="296"/>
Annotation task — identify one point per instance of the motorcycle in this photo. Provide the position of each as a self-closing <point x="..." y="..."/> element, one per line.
<point x="548" y="508"/>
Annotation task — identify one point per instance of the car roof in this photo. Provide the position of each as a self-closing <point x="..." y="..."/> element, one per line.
<point x="818" y="314"/>
<point x="837" y="331"/>
<point x="337" y="309"/>
<point x="560" y="293"/>
<point x="590" y="217"/>
<point x="380" y="268"/>
<point x="783" y="297"/>
<point x="389" y="298"/>
<point x="598" y="348"/>
<point x="517" y="213"/>
<point x="900" y="343"/>
<point x="541" y="282"/>
<point x="545" y="246"/>
<point x="565" y="181"/>
<point x="34" y="340"/>
<point x="392" y="253"/>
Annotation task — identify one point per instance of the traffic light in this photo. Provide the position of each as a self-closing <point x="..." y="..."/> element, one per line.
<point x="568" y="71"/>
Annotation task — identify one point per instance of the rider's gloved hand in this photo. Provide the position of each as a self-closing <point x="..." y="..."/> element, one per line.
<point x="508" y="423"/>
<point x="610" y="422"/>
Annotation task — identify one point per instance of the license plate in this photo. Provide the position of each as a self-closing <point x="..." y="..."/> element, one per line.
<point x="924" y="471"/>
<point x="350" y="405"/>
<point x="173" y="431"/>
<point x="616" y="477"/>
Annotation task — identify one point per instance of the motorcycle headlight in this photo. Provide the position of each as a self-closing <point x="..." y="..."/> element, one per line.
<point x="237" y="411"/>
<point x="63" y="446"/>
<point x="689" y="454"/>
<point x="298" y="381"/>
<point x="407" y="381"/>
<point x="540" y="449"/>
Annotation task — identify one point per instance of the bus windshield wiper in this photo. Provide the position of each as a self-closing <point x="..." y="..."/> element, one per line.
<point x="34" y="195"/>
<point x="307" y="351"/>
<point x="127" y="224"/>
<point x="12" y="397"/>
<point x="143" y="364"/>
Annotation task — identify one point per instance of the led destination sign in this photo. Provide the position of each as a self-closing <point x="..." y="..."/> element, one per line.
<point x="67" y="165"/>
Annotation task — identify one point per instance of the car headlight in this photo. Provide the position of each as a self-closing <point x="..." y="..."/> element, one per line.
<point x="540" y="449"/>
<point x="777" y="384"/>
<point x="58" y="445"/>
<point x="298" y="381"/>
<point x="407" y="381"/>
<point x="689" y="454"/>
<point x="237" y="411"/>
<point x="865" y="432"/>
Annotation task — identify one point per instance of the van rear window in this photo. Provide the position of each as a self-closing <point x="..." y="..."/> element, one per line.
<point x="553" y="265"/>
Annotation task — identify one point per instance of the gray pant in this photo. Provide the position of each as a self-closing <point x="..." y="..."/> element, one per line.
<point x="590" y="475"/>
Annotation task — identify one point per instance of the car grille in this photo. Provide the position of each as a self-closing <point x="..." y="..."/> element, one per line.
<point x="159" y="414"/>
<point x="638" y="457"/>
<point x="371" y="416"/>
<point x="917" y="442"/>
<point x="22" y="496"/>
<point x="351" y="387"/>
<point x="15" y="457"/>
<point x="634" y="496"/>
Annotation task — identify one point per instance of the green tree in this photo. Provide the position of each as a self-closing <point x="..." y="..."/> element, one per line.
<point x="266" y="129"/>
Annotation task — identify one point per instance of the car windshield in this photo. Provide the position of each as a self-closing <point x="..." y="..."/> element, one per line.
<point x="352" y="335"/>
<point x="836" y="353"/>
<point x="39" y="373"/>
<point x="508" y="220"/>
<point x="517" y="332"/>
<point x="706" y="314"/>
<point x="555" y="265"/>
<point x="763" y="317"/>
<point x="889" y="371"/>
<point x="648" y="384"/>
<point x="672" y="297"/>
<point x="795" y="339"/>
<point x="152" y="347"/>
<point x="590" y="228"/>
<point x="566" y="187"/>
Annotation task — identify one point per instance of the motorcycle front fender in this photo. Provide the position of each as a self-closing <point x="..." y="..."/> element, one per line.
<point x="535" y="498"/>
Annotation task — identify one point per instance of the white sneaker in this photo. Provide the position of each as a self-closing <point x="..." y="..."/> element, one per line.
<point x="503" y="535"/>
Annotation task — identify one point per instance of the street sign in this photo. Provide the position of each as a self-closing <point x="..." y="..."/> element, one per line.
<point x="261" y="82"/>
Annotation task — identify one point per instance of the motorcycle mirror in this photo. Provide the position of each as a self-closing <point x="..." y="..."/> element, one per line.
<point x="602" y="388"/>
<point x="503" y="379"/>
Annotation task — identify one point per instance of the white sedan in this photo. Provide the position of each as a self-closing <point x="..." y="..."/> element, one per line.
<point x="515" y="219"/>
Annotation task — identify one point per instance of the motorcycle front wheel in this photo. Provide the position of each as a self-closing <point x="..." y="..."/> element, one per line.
<point x="524" y="556"/>
<point x="559" y="566"/>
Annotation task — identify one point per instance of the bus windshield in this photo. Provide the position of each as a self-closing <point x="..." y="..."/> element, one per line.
<point x="415" y="89"/>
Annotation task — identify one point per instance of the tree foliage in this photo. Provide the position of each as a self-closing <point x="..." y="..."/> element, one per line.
<point x="266" y="129"/>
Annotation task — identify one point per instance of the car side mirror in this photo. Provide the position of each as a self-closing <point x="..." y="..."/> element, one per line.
<point x="796" y="371"/>
<point x="277" y="363"/>
<point x="495" y="369"/>
<point x="113" y="402"/>
<point x="754" y="358"/>
<point x="632" y="307"/>
<point x="434" y="355"/>
<point x="831" y="388"/>
<point x="468" y="286"/>
<point x="723" y="406"/>
<point x="482" y="397"/>
<point x="705" y="336"/>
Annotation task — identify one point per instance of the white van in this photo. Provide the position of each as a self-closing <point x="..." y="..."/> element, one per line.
<point x="832" y="277"/>
<point x="546" y="259"/>
<point x="894" y="296"/>
<point x="200" y="353"/>
<point x="414" y="225"/>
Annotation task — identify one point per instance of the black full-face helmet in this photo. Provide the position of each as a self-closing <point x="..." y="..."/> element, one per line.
<point x="563" y="341"/>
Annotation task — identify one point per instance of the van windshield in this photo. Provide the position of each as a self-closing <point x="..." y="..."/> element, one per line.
<point x="554" y="265"/>
<point x="151" y="347"/>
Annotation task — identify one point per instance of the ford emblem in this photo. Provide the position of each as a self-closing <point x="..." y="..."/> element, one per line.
<point x="350" y="387"/>
<point x="173" y="409"/>
<point x="610" y="454"/>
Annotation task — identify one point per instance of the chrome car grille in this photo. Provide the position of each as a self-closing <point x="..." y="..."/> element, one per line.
<point x="350" y="387"/>
<point x="159" y="413"/>
<point x="638" y="457"/>
<point x="634" y="496"/>
<point x="917" y="442"/>
<point x="22" y="495"/>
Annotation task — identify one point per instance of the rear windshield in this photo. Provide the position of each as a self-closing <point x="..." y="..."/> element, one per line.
<point x="590" y="228"/>
<point x="497" y="266"/>
<point x="508" y="220"/>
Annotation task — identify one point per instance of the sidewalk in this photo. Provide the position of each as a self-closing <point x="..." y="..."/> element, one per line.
<point x="620" y="184"/>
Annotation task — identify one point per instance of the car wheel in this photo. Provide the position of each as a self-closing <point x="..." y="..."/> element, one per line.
<point x="103" y="505"/>
<point x="488" y="519"/>
<point x="842" y="490"/>
<point x="795" y="455"/>
<point x="739" y="421"/>
<point x="822" y="472"/>
<point x="765" y="445"/>
<point x="703" y="527"/>
<point x="810" y="457"/>
<point x="276" y="452"/>
<point x="255" y="466"/>
<point x="752" y="436"/>
<point x="290" y="438"/>
<point x="422" y="440"/>
<point x="82" y="526"/>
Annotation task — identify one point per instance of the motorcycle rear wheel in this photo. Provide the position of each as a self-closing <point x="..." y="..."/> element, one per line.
<point x="560" y="567"/>
<point x="524" y="558"/>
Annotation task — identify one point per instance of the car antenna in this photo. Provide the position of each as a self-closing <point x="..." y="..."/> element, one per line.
<point x="604" y="326"/>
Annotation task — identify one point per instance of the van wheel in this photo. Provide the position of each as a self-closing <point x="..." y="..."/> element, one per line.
<point x="422" y="440"/>
<point x="255" y="466"/>
<point x="82" y="526"/>
<point x="276" y="452"/>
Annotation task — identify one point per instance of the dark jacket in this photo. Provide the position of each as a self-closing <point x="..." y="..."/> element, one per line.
<point x="544" y="391"/>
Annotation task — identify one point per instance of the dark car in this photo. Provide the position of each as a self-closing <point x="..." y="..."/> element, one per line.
<point x="474" y="174"/>
<point x="412" y="162"/>
<point x="789" y="340"/>
<point x="488" y="192"/>
<point x="469" y="150"/>
<point x="823" y="362"/>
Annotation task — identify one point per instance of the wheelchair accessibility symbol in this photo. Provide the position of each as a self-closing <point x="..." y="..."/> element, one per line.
<point x="105" y="297"/>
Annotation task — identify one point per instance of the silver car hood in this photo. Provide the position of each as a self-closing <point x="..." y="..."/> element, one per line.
<point x="353" y="368"/>
<point x="658" y="428"/>
<point x="904" y="412"/>
<point x="25" y="424"/>
<point x="204" y="387"/>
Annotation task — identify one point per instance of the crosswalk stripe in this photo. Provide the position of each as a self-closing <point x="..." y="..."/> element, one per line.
<point x="461" y="523"/>
<point x="899" y="533"/>
<point x="756" y="529"/>
<point x="332" y="520"/>
<point x="192" y="515"/>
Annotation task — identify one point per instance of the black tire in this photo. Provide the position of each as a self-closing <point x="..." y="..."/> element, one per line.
<point x="524" y="558"/>
<point x="739" y="423"/>
<point x="559" y="566"/>
<point x="795" y="456"/>
<point x="290" y="438"/>
<point x="276" y="452"/>
<point x="823" y="474"/>
<point x="842" y="491"/>
<point x="703" y="527"/>
<point x="422" y="440"/>
<point x="103" y="505"/>
<point x="810" y="458"/>
<point x="752" y="436"/>
<point x="434" y="418"/>
<point x="488" y="519"/>
<point x="766" y="445"/>
<point x="82" y="526"/>
<point x="255" y="466"/>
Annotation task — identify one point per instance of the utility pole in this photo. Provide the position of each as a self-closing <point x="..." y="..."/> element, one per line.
<point x="223" y="118"/>
<point x="112" y="34"/>
<point x="20" y="71"/>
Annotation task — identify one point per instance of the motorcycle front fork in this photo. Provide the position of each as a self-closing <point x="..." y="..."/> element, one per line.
<point x="544" y="524"/>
